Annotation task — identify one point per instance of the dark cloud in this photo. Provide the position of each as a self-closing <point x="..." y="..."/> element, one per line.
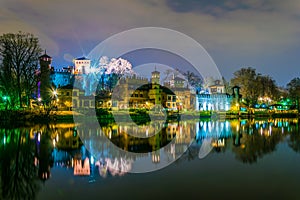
<point x="235" y="33"/>
<point x="217" y="7"/>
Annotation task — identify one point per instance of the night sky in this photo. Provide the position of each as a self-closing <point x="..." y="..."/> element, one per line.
<point x="263" y="34"/>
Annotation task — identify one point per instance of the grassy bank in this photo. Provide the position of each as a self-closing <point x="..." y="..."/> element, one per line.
<point x="138" y="116"/>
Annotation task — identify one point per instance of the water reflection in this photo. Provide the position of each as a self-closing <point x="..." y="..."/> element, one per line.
<point x="28" y="154"/>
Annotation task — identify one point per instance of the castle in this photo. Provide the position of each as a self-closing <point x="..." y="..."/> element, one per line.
<point x="129" y="92"/>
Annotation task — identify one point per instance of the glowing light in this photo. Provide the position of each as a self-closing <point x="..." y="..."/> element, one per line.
<point x="39" y="99"/>
<point x="92" y="160"/>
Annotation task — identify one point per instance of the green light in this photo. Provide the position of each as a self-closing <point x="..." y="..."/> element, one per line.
<point x="74" y="132"/>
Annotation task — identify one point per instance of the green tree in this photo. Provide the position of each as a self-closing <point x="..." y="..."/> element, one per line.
<point x="19" y="54"/>
<point x="294" y="90"/>
<point x="254" y="85"/>
<point x="267" y="87"/>
<point x="245" y="78"/>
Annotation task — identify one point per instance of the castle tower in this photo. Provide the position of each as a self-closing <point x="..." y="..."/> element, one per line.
<point x="44" y="85"/>
<point x="155" y="78"/>
<point x="155" y="91"/>
<point x="82" y="65"/>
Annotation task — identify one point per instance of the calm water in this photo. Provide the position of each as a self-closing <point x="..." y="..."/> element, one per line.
<point x="210" y="159"/>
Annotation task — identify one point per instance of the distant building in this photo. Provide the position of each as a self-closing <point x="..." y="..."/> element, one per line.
<point x="137" y="92"/>
<point x="217" y="99"/>
<point x="82" y="65"/>
<point x="61" y="77"/>
<point x="217" y="88"/>
<point x="71" y="97"/>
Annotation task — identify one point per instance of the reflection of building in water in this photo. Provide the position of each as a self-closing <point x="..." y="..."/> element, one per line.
<point x="213" y="129"/>
<point x="68" y="139"/>
<point x="150" y="139"/>
<point x="155" y="157"/>
<point x="80" y="169"/>
<point x="44" y="157"/>
<point x="219" y="131"/>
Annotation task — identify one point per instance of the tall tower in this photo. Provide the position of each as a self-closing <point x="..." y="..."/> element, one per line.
<point x="45" y="85"/>
<point x="155" y="91"/>
<point x="155" y="77"/>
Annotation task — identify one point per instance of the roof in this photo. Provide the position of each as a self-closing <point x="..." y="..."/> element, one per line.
<point x="148" y="86"/>
<point x="45" y="56"/>
<point x="178" y="79"/>
<point x="82" y="58"/>
<point x="155" y="72"/>
<point x="69" y="86"/>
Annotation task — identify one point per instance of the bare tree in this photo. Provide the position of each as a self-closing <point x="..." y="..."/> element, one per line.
<point x="19" y="54"/>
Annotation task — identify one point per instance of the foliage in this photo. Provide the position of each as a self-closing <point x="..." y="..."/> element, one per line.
<point x="253" y="85"/>
<point x="294" y="88"/>
<point x="194" y="80"/>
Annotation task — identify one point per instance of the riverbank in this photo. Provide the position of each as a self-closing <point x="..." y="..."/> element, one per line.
<point x="23" y="116"/>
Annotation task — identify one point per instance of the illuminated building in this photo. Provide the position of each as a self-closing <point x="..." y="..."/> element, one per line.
<point x="217" y="100"/>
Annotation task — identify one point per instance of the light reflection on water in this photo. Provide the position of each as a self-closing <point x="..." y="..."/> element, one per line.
<point x="30" y="152"/>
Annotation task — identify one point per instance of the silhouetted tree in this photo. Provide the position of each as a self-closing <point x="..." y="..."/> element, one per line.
<point x="19" y="54"/>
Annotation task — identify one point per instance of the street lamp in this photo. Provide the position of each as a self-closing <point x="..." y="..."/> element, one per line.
<point x="54" y="92"/>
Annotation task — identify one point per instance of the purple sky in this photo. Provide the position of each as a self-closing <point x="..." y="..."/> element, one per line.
<point x="263" y="34"/>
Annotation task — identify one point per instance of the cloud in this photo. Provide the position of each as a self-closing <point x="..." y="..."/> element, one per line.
<point x="231" y="28"/>
<point x="10" y="22"/>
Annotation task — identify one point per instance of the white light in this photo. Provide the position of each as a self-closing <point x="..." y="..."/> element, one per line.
<point x="92" y="160"/>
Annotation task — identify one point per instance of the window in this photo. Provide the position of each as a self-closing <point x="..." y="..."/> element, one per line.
<point x="86" y="103"/>
<point x="68" y="94"/>
<point x="75" y="93"/>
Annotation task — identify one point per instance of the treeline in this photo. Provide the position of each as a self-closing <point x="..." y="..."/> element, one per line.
<point x="254" y="85"/>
